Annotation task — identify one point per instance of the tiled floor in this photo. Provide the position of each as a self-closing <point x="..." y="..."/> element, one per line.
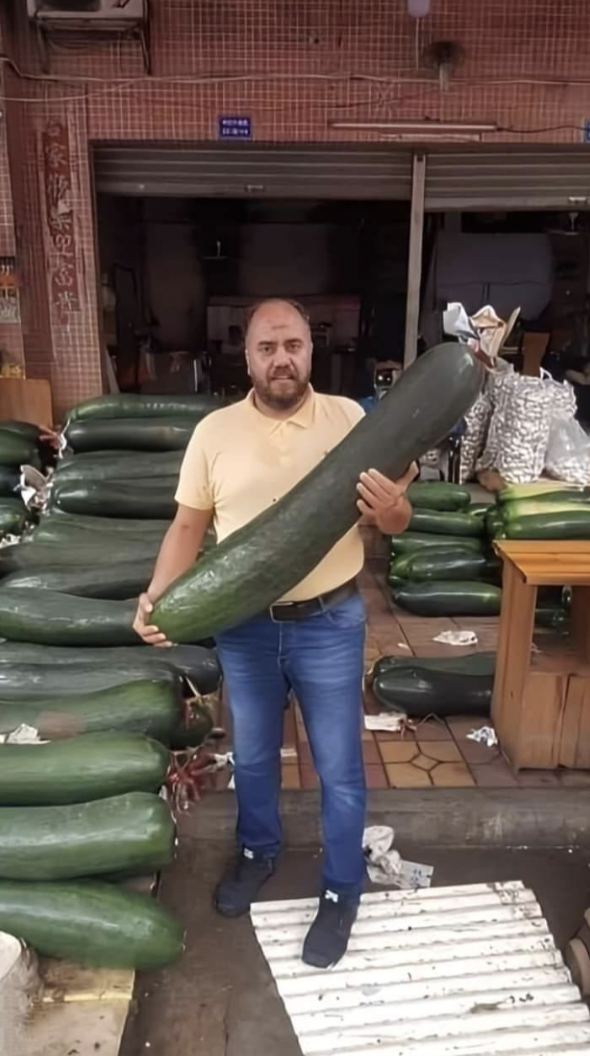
<point x="436" y="754"/>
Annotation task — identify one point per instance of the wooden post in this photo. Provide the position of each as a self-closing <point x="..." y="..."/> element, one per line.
<point x="415" y="259"/>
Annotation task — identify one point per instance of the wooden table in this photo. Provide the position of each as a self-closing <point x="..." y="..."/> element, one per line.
<point x="541" y="701"/>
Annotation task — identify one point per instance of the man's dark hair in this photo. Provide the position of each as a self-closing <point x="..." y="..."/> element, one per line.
<point x="251" y="312"/>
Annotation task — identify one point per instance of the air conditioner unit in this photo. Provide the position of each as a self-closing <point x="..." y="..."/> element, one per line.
<point x="82" y="15"/>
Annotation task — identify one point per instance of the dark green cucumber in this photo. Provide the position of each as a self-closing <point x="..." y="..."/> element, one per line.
<point x="58" y="520"/>
<point x="91" y="923"/>
<point x="17" y="450"/>
<point x="72" y="552"/>
<point x="27" y="430"/>
<point x="142" y="465"/>
<point x="46" y="617"/>
<point x="399" y="567"/>
<point x="494" y="522"/>
<point x="13" y="516"/>
<point x="26" y="680"/>
<point x="412" y="542"/>
<point x="80" y="769"/>
<point x="441" y="522"/>
<point x="257" y="564"/>
<point x="451" y="565"/>
<point x="470" y="664"/>
<point x="9" y="480"/>
<point x="145" y="543"/>
<point x="116" y="582"/>
<point x="559" y="525"/>
<point x="193" y="662"/>
<point x="438" y="496"/>
<point x="133" y="833"/>
<point x="149" y="706"/>
<point x="421" y="691"/>
<point x="109" y="499"/>
<point x="135" y="434"/>
<point x="552" y="618"/>
<point x="449" y="599"/>
<point x="131" y="405"/>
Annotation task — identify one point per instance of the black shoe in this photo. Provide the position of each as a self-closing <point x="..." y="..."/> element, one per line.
<point x="326" y="941"/>
<point x="239" y="887"/>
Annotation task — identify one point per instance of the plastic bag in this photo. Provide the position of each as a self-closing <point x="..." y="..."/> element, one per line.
<point x="568" y="452"/>
<point x="519" y="431"/>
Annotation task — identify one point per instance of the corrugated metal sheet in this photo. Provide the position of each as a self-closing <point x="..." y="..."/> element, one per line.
<point x="544" y="178"/>
<point x="238" y="170"/>
<point x="457" y="971"/>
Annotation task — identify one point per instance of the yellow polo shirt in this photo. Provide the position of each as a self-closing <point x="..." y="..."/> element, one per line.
<point x="239" y="462"/>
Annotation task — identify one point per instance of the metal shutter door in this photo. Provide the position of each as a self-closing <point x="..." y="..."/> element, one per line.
<point x="239" y="170"/>
<point x="543" y="178"/>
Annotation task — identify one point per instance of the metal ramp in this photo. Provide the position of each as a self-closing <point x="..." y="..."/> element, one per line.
<point x="455" y="971"/>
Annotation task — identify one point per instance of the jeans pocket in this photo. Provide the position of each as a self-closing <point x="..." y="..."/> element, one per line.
<point x="348" y="614"/>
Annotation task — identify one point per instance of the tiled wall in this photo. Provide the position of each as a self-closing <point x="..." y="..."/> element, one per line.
<point x="293" y="65"/>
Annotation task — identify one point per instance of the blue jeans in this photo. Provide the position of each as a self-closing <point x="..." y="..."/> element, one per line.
<point x="321" y="659"/>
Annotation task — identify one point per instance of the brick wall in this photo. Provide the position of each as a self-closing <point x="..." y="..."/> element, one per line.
<point x="293" y="65"/>
<point x="11" y="342"/>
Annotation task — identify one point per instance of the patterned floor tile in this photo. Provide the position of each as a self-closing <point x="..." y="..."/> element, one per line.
<point x="404" y="775"/>
<point x="441" y="751"/>
<point x="451" y="775"/>
<point x="398" y="751"/>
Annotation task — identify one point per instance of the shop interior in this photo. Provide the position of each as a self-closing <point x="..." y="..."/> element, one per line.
<point x="178" y="275"/>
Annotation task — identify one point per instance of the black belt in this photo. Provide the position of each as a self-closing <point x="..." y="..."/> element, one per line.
<point x="286" y="611"/>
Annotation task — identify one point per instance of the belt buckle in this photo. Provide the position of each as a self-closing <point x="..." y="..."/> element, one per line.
<point x="273" y="609"/>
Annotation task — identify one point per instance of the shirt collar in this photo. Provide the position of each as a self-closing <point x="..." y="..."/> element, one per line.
<point x="303" y="417"/>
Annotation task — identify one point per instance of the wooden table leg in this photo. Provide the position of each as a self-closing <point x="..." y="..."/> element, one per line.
<point x="515" y="638"/>
<point x="581" y="622"/>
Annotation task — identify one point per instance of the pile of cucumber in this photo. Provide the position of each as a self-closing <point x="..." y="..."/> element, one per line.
<point x="543" y="510"/>
<point x="81" y="812"/>
<point x="20" y="444"/>
<point x="444" y="565"/>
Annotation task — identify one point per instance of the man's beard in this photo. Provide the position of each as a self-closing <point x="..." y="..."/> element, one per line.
<point x="272" y="396"/>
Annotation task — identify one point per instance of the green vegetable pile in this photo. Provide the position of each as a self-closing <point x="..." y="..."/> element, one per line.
<point x="81" y="813"/>
<point x="444" y="565"/>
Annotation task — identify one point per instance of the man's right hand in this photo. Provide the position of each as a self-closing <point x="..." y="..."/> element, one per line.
<point x="142" y="626"/>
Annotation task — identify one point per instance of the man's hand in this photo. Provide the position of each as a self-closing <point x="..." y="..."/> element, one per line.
<point x="141" y="625"/>
<point x="383" y="501"/>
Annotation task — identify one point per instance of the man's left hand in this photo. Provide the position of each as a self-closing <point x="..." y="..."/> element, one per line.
<point x="383" y="502"/>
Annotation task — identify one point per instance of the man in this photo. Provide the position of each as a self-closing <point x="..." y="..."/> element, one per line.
<point x="239" y="461"/>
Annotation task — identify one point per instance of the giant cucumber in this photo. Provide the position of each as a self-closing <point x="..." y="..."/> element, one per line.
<point x="152" y="706"/>
<point x="49" y="618"/>
<point x="80" y="769"/>
<point x="448" y="598"/>
<point x="133" y="833"/>
<point x="259" y="563"/>
<point x="135" y="434"/>
<point x="91" y="923"/>
<point x="193" y="662"/>
<point x="151" y="499"/>
<point x="132" y="405"/>
<point x="118" y="581"/>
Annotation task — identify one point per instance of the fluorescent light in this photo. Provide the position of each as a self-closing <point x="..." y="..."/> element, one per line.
<point x="428" y="137"/>
<point x="419" y="125"/>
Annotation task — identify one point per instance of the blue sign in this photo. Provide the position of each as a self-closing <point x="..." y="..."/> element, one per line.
<point x="587" y="132"/>
<point x="235" y="127"/>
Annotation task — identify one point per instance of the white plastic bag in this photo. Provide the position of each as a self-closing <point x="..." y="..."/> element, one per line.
<point x="519" y="431"/>
<point x="568" y="452"/>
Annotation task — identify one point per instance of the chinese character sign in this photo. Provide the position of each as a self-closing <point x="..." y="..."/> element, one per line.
<point x="57" y="175"/>
<point x="234" y="127"/>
